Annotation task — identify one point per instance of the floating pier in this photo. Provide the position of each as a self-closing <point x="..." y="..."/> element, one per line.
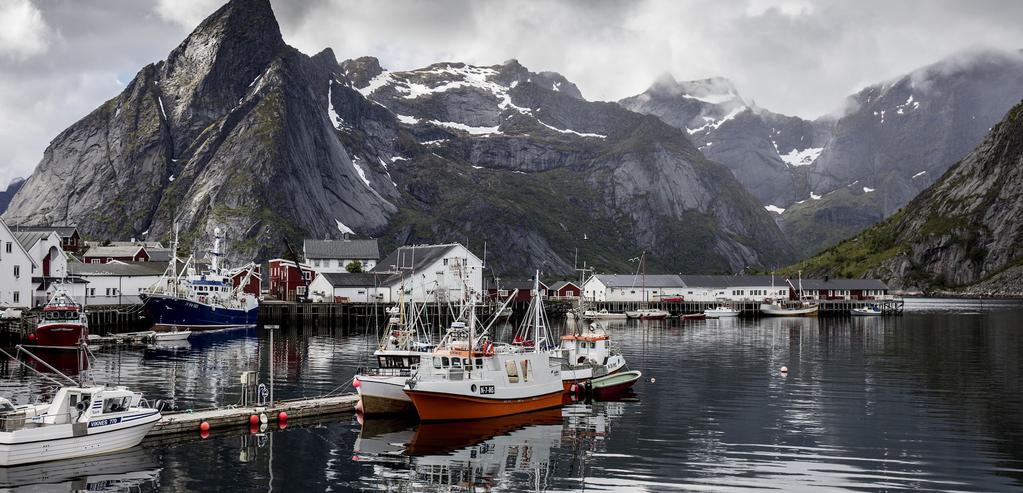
<point x="235" y="417"/>
<point x="838" y="308"/>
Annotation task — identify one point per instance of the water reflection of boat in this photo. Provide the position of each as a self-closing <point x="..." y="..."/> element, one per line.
<point x="381" y="437"/>
<point x="449" y="437"/>
<point x="63" y="360"/>
<point x="129" y="470"/>
<point x="480" y="453"/>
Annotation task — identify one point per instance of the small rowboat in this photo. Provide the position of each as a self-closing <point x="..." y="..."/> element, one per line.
<point x="865" y="311"/>
<point x="179" y="335"/>
<point x="694" y="316"/>
<point x="615" y="383"/>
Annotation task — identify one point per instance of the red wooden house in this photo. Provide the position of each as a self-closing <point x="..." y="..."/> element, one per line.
<point x="121" y="253"/>
<point x="254" y="284"/>
<point x="285" y="282"/>
<point x="501" y="290"/>
<point x="564" y="289"/>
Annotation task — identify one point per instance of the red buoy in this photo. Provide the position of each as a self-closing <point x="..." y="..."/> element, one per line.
<point x="356" y="383"/>
<point x="204" y="426"/>
<point x="32" y="336"/>
<point x="359" y="408"/>
<point x="253" y="428"/>
<point x="253" y="420"/>
<point x="282" y="416"/>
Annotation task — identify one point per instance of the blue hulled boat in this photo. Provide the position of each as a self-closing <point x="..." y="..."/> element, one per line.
<point x="198" y="301"/>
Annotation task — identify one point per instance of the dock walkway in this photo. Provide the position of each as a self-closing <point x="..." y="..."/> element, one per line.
<point x="189" y="421"/>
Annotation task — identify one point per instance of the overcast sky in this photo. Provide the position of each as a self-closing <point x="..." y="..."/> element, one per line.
<point x="59" y="59"/>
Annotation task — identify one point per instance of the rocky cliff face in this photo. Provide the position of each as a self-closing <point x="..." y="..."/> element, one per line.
<point x="965" y="228"/>
<point x="231" y="130"/>
<point x="768" y="153"/>
<point x="8" y="193"/>
<point x="898" y="137"/>
<point x="238" y="130"/>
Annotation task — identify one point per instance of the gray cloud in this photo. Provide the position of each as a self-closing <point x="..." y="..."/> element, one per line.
<point x="791" y="56"/>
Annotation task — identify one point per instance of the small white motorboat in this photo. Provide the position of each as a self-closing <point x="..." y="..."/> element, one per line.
<point x="177" y="335"/>
<point x="866" y="311"/>
<point x="79" y="422"/>
<point x="721" y="312"/>
<point x="603" y="314"/>
<point x="797" y="309"/>
<point x="648" y="314"/>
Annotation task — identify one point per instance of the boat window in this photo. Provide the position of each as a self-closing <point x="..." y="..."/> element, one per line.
<point x="446" y="363"/>
<point x="479" y="362"/>
<point x="436" y="362"/>
<point x="115" y="404"/>
<point x="456" y="363"/>
<point x="467" y="362"/>
<point x="513" y="372"/>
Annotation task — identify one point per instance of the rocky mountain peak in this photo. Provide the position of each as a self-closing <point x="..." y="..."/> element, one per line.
<point x="361" y="70"/>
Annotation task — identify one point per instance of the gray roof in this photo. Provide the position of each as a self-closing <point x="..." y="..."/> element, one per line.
<point x="29" y="238"/>
<point x="708" y="281"/>
<point x="147" y="244"/>
<point x="159" y="254"/>
<point x="112" y="251"/>
<point x="341" y="249"/>
<point x="61" y="230"/>
<point x="843" y="284"/>
<point x="119" y="269"/>
<point x="420" y="255"/>
<point x="363" y="279"/>
<point x="637" y="280"/>
<point x="510" y="284"/>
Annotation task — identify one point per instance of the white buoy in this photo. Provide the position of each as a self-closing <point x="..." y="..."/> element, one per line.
<point x="784" y="370"/>
<point x="653" y="380"/>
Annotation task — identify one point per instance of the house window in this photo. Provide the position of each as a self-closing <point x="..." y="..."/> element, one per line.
<point x="92" y="291"/>
<point x="17" y="297"/>
<point x="445" y="261"/>
<point x="108" y="291"/>
<point x="17" y="271"/>
<point x="300" y="290"/>
<point x="8" y="248"/>
<point x="316" y="263"/>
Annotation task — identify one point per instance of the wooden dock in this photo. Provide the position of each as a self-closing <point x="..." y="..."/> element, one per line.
<point x="234" y="417"/>
<point x="837" y="308"/>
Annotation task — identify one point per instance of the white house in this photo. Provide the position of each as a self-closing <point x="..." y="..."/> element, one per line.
<point x="355" y="288"/>
<point x="434" y="272"/>
<point x="16" y="270"/>
<point x="116" y="282"/>
<point x="46" y="251"/>
<point x="335" y="255"/>
<point x="632" y="287"/>
<point x="734" y="288"/>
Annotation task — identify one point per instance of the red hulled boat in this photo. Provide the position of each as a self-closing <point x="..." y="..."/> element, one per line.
<point x="63" y="323"/>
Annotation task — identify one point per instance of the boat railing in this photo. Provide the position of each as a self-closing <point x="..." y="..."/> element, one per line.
<point x="385" y="372"/>
<point x="20" y="420"/>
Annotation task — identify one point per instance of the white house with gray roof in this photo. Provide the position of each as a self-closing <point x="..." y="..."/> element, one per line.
<point x="632" y="287"/>
<point x="335" y="255"/>
<point x="16" y="270"/>
<point x="434" y="272"/>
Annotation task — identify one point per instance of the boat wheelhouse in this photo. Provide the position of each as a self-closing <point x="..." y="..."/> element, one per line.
<point x="63" y="322"/>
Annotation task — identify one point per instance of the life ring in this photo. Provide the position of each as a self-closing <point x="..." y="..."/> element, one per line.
<point x="488" y="348"/>
<point x="202" y="299"/>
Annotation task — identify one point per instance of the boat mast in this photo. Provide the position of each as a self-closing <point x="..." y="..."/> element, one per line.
<point x="537" y="308"/>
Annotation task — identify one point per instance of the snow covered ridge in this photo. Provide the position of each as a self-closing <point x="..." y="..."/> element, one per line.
<point x="774" y="208"/>
<point x="714" y="124"/>
<point x="415" y="84"/>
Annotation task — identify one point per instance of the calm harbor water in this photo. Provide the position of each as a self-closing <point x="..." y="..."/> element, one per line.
<point x="932" y="400"/>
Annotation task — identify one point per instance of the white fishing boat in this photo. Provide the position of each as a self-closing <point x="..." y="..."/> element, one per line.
<point x="470" y="377"/>
<point x="402" y="347"/>
<point x="866" y="311"/>
<point x="791" y="308"/>
<point x="587" y="354"/>
<point x="721" y="312"/>
<point x="78" y="422"/>
<point x="794" y="309"/>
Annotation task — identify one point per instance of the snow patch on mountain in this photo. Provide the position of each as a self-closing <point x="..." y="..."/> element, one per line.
<point x="714" y="124"/>
<point x="797" y="157"/>
<point x="774" y="208"/>
<point x="918" y="175"/>
<point x="466" y="128"/>
<point x="570" y="131"/>
<point x="867" y="189"/>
